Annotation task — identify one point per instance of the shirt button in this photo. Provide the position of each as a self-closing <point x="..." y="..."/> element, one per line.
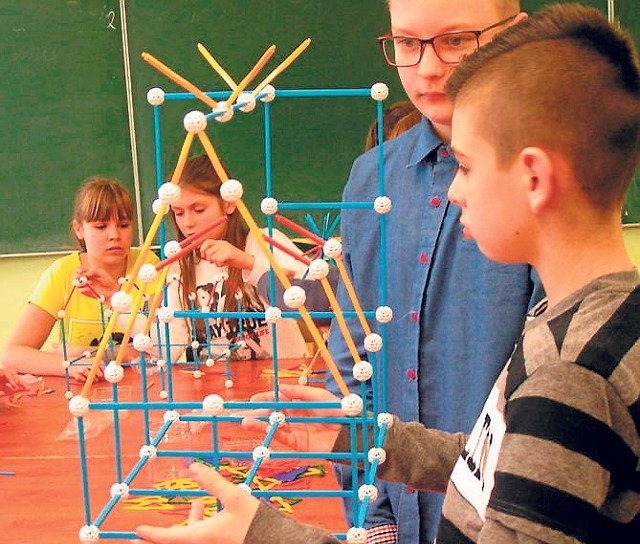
<point x="443" y="152"/>
<point x="435" y="202"/>
<point x="411" y="374"/>
<point x="414" y="317"/>
<point x="423" y="258"/>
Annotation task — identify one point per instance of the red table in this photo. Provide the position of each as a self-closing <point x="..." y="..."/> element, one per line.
<point x="43" y="501"/>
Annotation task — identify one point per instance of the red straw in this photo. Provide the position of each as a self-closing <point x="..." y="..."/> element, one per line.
<point x="191" y="242"/>
<point x="288" y="251"/>
<point x="300" y="230"/>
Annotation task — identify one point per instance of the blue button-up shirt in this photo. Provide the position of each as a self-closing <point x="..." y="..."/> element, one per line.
<point x="456" y="314"/>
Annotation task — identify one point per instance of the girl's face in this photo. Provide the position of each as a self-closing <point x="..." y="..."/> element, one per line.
<point x="107" y="242"/>
<point x="195" y="210"/>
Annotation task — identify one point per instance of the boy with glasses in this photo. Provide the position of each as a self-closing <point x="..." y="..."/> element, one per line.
<point x="456" y="315"/>
<point x="554" y="456"/>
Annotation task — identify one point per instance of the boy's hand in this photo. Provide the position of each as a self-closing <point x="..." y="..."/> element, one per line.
<point x="229" y="526"/>
<point x="319" y="437"/>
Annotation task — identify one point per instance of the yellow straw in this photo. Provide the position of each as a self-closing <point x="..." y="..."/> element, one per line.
<point x="352" y="295"/>
<point x="249" y="77"/>
<point x="182" y="159"/>
<point x="283" y="65"/>
<point x="280" y="274"/>
<point x="177" y="78"/>
<point x="216" y="66"/>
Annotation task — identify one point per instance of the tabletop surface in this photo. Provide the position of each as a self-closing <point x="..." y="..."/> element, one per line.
<point x="43" y="489"/>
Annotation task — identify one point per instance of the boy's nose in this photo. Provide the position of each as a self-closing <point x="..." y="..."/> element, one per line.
<point x="430" y="64"/>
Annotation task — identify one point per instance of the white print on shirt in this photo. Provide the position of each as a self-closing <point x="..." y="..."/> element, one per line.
<point x="473" y="474"/>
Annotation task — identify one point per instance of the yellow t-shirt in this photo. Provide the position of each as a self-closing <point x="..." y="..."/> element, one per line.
<point x="83" y="321"/>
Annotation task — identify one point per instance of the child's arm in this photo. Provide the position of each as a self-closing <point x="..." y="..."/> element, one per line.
<point x="23" y="350"/>
<point x="243" y="520"/>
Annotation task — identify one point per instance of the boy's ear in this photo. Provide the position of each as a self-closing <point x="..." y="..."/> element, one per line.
<point x="539" y="179"/>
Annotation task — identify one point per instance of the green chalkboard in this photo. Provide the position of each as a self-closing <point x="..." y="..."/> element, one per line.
<point x="65" y="104"/>
<point x="314" y="139"/>
<point x="66" y="115"/>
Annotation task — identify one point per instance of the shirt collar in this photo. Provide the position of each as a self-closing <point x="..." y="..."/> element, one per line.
<point x="428" y="141"/>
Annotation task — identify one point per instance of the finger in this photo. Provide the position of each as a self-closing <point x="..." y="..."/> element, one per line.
<point x="303" y="392"/>
<point x="160" y="535"/>
<point x="197" y="512"/>
<point x="210" y="480"/>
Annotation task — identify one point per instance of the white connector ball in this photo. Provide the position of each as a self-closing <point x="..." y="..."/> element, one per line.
<point x="164" y="314"/>
<point x="89" y="533"/>
<point x="384" y="314"/>
<point x="228" y="383"/>
<point x="223" y="112"/>
<point x="195" y="122"/>
<point x="268" y="93"/>
<point x="171" y="248"/>
<point x="155" y="96"/>
<point x="213" y="404"/>
<point x="169" y="192"/>
<point x="79" y="406"/>
<point x="147" y="273"/>
<point x="368" y="491"/>
<point x="197" y="374"/>
<point x="272" y="314"/>
<point x="373" y="342"/>
<point x="171" y="415"/>
<point x="121" y="301"/>
<point x="318" y="269"/>
<point x="155" y="207"/>
<point x="382" y="204"/>
<point x="385" y="419"/>
<point x="61" y="314"/>
<point x="142" y="342"/>
<point x="351" y="404"/>
<point x="246" y="102"/>
<point x="377" y="454"/>
<point x="209" y="363"/>
<point x="362" y="371"/>
<point x="68" y="395"/>
<point x="261" y="452"/>
<point x="148" y="451"/>
<point x="231" y="190"/>
<point x="379" y="91"/>
<point x="332" y="248"/>
<point x="357" y="535"/>
<point x="269" y="205"/>
<point x="295" y="296"/>
<point x="113" y="372"/>
<point x="119" y="490"/>
<point x="277" y="417"/>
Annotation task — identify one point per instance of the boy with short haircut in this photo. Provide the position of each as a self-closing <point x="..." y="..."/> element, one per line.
<point x="547" y="130"/>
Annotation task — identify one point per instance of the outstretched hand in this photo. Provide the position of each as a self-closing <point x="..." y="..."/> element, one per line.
<point x="319" y="437"/>
<point x="229" y="526"/>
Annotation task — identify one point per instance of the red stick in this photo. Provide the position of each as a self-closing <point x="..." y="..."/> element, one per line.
<point x="300" y="230"/>
<point x="288" y="251"/>
<point x="190" y="243"/>
<point x="190" y="239"/>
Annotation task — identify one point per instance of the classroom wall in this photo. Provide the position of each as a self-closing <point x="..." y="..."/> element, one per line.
<point x="22" y="273"/>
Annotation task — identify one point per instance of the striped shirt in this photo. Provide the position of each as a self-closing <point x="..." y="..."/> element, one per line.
<point x="555" y="454"/>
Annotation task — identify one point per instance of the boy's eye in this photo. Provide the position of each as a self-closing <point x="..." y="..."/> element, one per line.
<point x="462" y="168"/>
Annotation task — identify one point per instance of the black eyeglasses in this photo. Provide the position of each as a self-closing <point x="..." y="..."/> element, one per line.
<point x="450" y="47"/>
